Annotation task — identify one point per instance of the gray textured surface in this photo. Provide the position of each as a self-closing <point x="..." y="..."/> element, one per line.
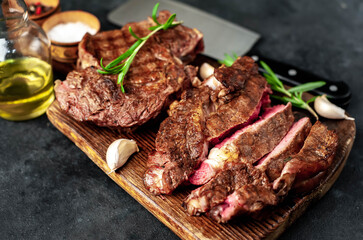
<point x="49" y="189"/>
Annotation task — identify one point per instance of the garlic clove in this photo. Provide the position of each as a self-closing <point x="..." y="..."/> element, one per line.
<point x="119" y="151"/>
<point x="206" y="70"/>
<point x="329" y="110"/>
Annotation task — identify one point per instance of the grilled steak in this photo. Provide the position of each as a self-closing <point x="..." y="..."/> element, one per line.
<point x="241" y="188"/>
<point x="180" y="143"/>
<point x="248" y="144"/>
<point x="234" y="111"/>
<point x="183" y="138"/>
<point x="156" y="75"/>
<point x="182" y="42"/>
<point x="273" y="163"/>
<point x="238" y="188"/>
<point x="315" y="157"/>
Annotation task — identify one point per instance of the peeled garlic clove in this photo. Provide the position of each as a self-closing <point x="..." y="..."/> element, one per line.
<point x="206" y="70"/>
<point x="329" y="110"/>
<point x="119" y="151"/>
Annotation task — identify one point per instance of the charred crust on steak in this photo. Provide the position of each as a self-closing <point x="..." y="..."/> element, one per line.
<point x="315" y="156"/>
<point x="183" y="136"/>
<point x="241" y="180"/>
<point x="156" y="77"/>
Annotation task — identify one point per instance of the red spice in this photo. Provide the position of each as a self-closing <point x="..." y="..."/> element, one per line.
<point x="38" y="10"/>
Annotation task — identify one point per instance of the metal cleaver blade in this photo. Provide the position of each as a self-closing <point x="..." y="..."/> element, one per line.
<point x="239" y="39"/>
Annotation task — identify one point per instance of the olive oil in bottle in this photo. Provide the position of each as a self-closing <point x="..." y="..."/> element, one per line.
<point x="26" y="88"/>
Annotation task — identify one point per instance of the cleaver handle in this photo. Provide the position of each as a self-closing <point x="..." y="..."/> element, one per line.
<point x="337" y="91"/>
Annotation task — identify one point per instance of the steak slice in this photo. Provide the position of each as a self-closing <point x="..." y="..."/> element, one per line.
<point x="180" y="143"/>
<point x="273" y="163"/>
<point x="156" y="76"/>
<point x="237" y="111"/>
<point x="183" y="138"/>
<point x="315" y="157"/>
<point x="238" y="188"/>
<point x="248" y="144"/>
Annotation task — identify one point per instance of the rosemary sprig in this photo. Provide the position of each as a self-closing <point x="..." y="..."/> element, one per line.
<point x="228" y="60"/>
<point x="122" y="64"/>
<point x="294" y="94"/>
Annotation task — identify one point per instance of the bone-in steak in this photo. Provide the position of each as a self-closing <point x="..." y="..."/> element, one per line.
<point x="155" y="76"/>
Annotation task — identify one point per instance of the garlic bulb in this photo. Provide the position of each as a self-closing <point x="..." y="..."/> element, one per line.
<point x="119" y="151"/>
<point x="329" y="110"/>
<point x="206" y="70"/>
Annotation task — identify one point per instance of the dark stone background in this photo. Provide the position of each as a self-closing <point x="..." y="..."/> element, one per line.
<point x="49" y="189"/>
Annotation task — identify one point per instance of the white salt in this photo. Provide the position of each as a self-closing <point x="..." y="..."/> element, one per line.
<point x="69" y="32"/>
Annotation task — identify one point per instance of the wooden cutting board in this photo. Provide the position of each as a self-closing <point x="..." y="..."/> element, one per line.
<point x="94" y="141"/>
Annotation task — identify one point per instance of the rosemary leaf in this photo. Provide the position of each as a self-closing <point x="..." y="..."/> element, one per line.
<point x="306" y="87"/>
<point x="169" y="22"/>
<point x="272" y="74"/>
<point x="311" y="99"/>
<point x="155" y="11"/>
<point x="228" y="60"/>
<point x="134" y="34"/>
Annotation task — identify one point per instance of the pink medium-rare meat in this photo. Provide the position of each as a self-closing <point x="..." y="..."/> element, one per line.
<point x="156" y="76"/>
<point x="237" y="111"/>
<point x="315" y="156"/>
<point x="237" y="188"/>
<point x="183" y="138"/>
<point x="248" y="144"/>
<point x="273" y="163"/>
<point x="250" y="199"/>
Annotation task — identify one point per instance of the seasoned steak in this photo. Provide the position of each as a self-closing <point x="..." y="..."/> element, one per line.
<point x="273" y="163"/>
<point x="315" y="157"/>
<point x="248" y="144"/>
<point x="183" y="138"/>
<point x="182" y="42"/>
<point x="237" y="111"/>
<point x="237" y="188"/>
<point x="155" y="77"/>
<point x="180" y="143"/>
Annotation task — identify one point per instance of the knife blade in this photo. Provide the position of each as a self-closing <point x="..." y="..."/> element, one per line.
<point x="240" y="41"/>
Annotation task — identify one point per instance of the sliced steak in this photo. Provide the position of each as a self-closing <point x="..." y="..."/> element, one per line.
<point x="183" y="138"/>
<point x="273" y="163"/>
<point x="237" y="111"/>
<point x="315" y="157"/>
<point x="238" y="188"/>
<point x="180" y="143"/>
<point x="248" y="144"/>
<point x="156" y="76"/>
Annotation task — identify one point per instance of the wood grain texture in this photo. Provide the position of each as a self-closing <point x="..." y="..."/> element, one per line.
<point x="94" y="141"/>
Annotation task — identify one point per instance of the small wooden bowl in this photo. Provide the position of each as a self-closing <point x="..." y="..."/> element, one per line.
<point x="68" y="52"/>
<point x="39" y="19"/>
